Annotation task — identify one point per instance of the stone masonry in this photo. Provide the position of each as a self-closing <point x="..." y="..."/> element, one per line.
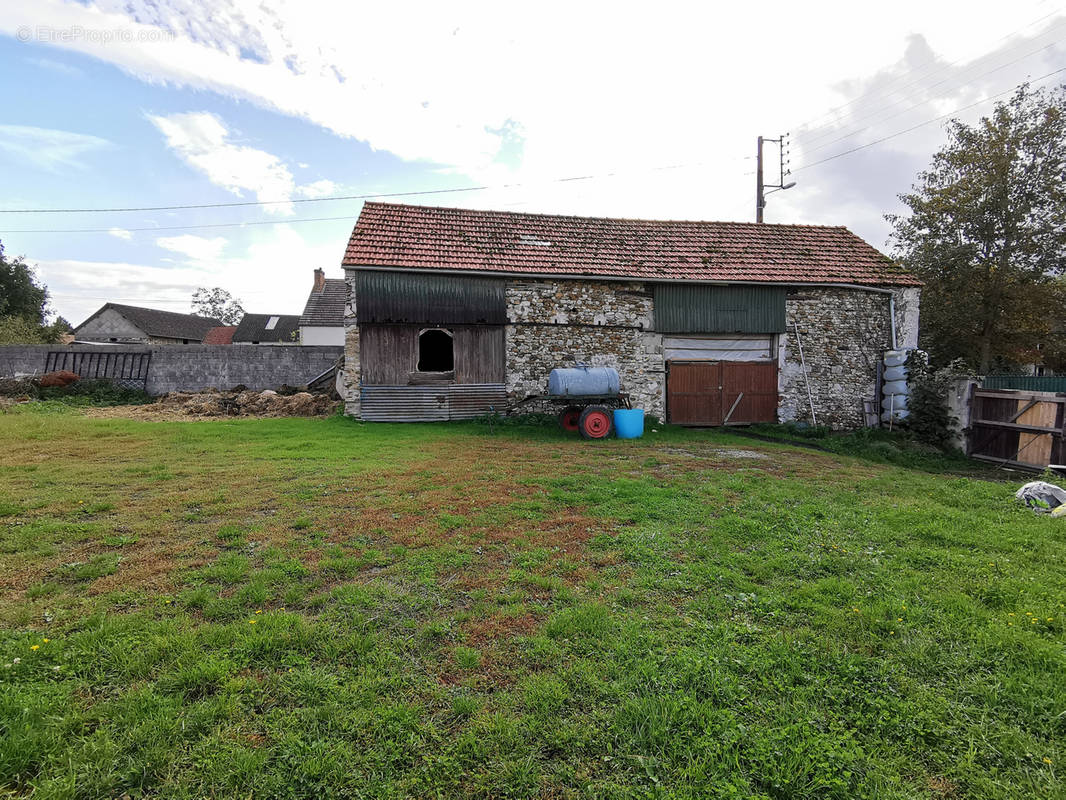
<point x="563" y="323"/>
<point x="844" y="332"/>
<point x="348" y="376"/>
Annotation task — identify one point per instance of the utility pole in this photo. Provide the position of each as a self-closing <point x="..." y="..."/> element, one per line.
<point x="760" y="185"/>
<point x="760" y="198"/>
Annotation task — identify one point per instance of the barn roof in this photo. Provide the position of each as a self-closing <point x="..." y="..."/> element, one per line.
<point x="390" y="235"/>
<point x="258" y="328"/>
<point x="223" y="334"/>
<point x="163" y="324"/>
<point x="325" y="308"/>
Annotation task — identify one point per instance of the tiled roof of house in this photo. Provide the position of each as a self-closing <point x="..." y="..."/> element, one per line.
<point x="326" y="308"/>
<point x="165" y="324"/>
<point x="253" y="328"/>
<point x="423" y="237"/>
<point x="223" y="334"/>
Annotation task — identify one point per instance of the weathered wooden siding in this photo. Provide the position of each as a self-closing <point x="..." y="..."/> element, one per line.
<point x="389" y="353"/>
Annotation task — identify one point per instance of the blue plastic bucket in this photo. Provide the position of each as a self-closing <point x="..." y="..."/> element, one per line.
<point x="629" y="423"/>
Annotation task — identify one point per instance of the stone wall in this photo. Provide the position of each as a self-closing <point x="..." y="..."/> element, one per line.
<point x="561" y="323"/>
<point x="196" y="366"/>
<point x="348" y="380"/>
<point x="844" y="333"/>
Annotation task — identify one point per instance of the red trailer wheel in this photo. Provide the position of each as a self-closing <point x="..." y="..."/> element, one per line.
<point x="596" y="422"/>
<point x="569" y="418"/>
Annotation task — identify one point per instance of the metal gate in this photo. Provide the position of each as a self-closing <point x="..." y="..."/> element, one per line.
<point x="721" y="392"/>
<point x="129" y="369"/>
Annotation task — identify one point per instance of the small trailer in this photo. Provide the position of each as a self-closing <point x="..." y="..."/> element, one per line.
<point x="587" y="397"/>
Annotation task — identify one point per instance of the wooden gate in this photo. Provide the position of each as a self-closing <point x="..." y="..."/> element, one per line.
<point x="129" y="369"/>
<point x="721" y="392"/>
<point x="1017" y="427"/>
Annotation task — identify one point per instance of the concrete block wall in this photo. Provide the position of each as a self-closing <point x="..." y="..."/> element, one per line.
<point x="196" y="366"/>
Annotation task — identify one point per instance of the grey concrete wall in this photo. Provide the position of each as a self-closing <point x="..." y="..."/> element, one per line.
<point x="196" y="366"/>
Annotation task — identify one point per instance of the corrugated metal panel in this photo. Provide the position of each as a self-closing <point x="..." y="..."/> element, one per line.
<point x="430" y="403"/>
<point x="729" y="347"/>
<point x="719" y="309"/>
<point x="470" y="400"/>
<point x="420" y="299"/>
<point x="1030" y="383"/>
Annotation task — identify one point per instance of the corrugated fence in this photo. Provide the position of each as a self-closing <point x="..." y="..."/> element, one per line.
<point x="1030" y="383"/>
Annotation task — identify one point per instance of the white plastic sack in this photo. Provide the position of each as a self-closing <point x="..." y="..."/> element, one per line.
<point x="897" y="402"/>
<point x="895" y="358"/>
<point x="895" y="374"/>
<point x="1041" y="497"/>
<point x="895" y="387"/>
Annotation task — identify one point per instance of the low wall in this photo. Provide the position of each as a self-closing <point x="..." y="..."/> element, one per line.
<point x="196" y="366"/>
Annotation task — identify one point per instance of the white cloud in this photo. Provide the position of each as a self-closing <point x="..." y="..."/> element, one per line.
<point x="202" y="140"/>
<point x="505" y="96"/>
<point x="273" y="275"/>
<point x="197" y="248"/>
<point x="120" y="233"/>
<point x="320" y="188"/>
<point x="57" y="66"/>
<point x="50" y="149"/>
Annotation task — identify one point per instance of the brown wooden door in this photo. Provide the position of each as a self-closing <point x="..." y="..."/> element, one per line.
<point x="721" y="392"/>
<point x="754" y="384"/>
<point x="694" y="393"/>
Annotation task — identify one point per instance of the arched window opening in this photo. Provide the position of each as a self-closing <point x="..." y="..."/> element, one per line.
<point x="435" y="351"/>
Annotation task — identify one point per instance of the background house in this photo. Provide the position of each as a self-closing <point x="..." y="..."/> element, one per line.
<point x="322" y="321"/>
<point x="452" y="312"/>
<point x="136" y="325"/>
<point x="223" y="334"/>
<point x="272" y="329"/>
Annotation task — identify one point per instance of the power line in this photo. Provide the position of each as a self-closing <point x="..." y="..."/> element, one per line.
<point x="857" y="131"/>
<point x="924" y="73"/>
<point x="114" y="228"/>
<point x="569" y="179"/>
<point x="927" y="122"/>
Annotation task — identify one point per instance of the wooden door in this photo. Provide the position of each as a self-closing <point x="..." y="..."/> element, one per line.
<point x="749" y="392"/>
<point x="721" y="392"/>
<point x="694" y="393"/>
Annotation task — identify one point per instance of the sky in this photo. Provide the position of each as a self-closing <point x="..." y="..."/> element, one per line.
<point x="282" y="104"/>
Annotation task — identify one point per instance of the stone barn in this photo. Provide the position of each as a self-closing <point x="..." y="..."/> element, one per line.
<point x="452" y="313"/>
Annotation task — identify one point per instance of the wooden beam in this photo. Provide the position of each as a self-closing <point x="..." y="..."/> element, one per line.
<point x="1040" y="397"/>
<point x="1003" y="461"/>
<point x="1017" y="426"/>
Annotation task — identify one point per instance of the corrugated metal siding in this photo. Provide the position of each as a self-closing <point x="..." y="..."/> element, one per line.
<point x="414" y="298"/>
<point x="719" y="309"/>
<point x="430" y="403"/>
<point x="1030" y="383"/>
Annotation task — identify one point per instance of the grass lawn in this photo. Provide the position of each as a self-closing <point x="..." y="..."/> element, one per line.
<point x="323" y="608"/>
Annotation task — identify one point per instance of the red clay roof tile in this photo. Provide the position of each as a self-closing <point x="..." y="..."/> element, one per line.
<point x="223" y="334"/>
<point x="426" y="237"/>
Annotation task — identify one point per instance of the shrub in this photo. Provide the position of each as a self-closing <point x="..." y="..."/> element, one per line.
<point x="929" y="420"/>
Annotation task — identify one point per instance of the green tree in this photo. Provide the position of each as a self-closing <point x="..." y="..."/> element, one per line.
<point x="218" y="304"/>
<point x="20" y="294"/>
<point x="986" y="233"/>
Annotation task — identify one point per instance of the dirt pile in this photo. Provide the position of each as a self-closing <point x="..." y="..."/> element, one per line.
<point x="245" y="403"/>
<point x="63" y="377"/>
<point x="17" y="387"/>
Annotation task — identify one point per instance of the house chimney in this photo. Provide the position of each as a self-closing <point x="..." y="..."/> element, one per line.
<point x="320" y="280"/>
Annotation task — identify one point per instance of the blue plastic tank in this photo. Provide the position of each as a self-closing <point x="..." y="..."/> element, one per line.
<point x="583" y="381"/>
<point x="629" y="423"/>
